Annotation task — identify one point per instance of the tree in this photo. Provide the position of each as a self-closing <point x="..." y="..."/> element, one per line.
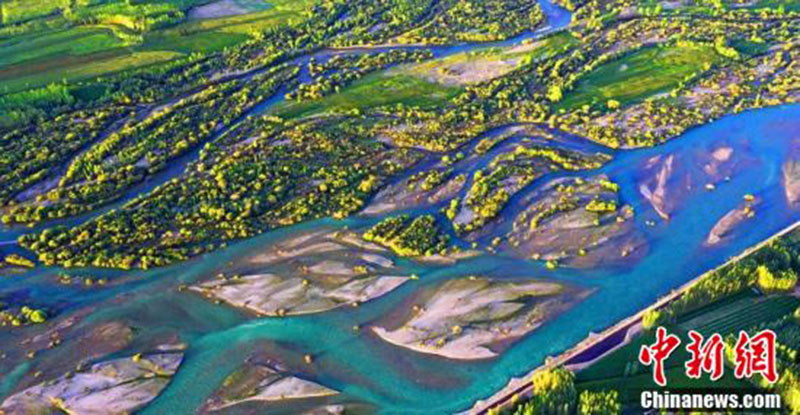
<point x="652" y="318"/>
<point x="599" y="403"/>
<point x="554" y="93"/>
<point x="770" y="282"/>
<point x="553" y="391"/>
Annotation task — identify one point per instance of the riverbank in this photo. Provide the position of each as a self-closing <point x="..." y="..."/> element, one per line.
<point x="595" y="346"/>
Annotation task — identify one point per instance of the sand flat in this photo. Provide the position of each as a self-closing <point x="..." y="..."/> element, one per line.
<point x="118" y="386"/>
<point x="476" y="317"/>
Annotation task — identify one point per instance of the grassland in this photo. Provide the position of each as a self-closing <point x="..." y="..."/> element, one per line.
<point x="788" y="5"/>
<point x="84" y="69"/>
<point x="17" y="11"/>
<point x="75" y="42"/>
<point x="56" y="48"/>
<point x="21" y="10"/>
<point x="374" y="90"/>
<point x="641" y="74"/>
<point x="210" y="35"/>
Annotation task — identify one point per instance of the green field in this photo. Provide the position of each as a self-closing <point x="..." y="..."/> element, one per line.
<point x="644" y="380"/>
<point x="109" y="36"/>
<point x="728" y="318"/>
<point x="641" y="74"/>
<point x="622" y="371"/>
<point x="750" y="48"/>
<point x="788" y="5"/>
<point x="76" y="41"/>
<point x="374" y="90"/>
<point x="21" y="10"/>
<point x="85" y="69"/>
<point x="209" y="35"/>
<point x="743" y="311"/>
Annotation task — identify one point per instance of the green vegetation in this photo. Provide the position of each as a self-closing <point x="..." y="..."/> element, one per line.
<point x="620" y="369"/>
<point x="122" y="159"/>
<point x="375" y="90"/>
<point x="600" y="206"/>
<point x="31" y="155"/>
<point x="785" y="5"/>
<point x="782" y="281"/>
<point x="511" y="171"/>
<point x="652" y="318"/>
<point x="75" y="41"/>
<point x="79" y="42"/>
<point x="553" y="393"/>
<point x="20" y="316"/>
<point x="90" y="128"/>
<point x="702" y="74"/>
<point x="780" y="256"/>
<point x="407" y="237"/>
<point x="341" y="70"/>
<point x="552" y="210"/>
<point x="285" y="174"/>
<point x="485" y="64"/>
<point x="132" y="15"/>
<point x="727" y="318"/>
<point x="90" y="67"/>
<point x="477" y="21"/>
<point x="599" y="403"/>
<point x="19" y="261"/>
<point x="640" y="74"/>
<point x="159" y="109"/>
<point x="428" y="180"/>
<point x="722" y="302"/>
<point x="217" y="33"/>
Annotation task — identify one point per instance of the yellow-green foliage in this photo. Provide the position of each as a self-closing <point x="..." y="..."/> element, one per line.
<point x="635" y="76"/>
<point x="558" y="380"/>
<point x="76" y="41"/>
<point x="420" y="236"/>
<point x="562" y="206"/>
<point x="20" y="261"/>
<point x="374" y="90"/>
<point x="34" y="316"/>
<point x="601" y="206"/>
<point x="608" y="185"/>
<point x="652" y="318"/>
<point x="775" y="282"/>
<point x="789" y="385"/>
<point x="16" y="317"/>
<point x="478" y="21"/>
<point x="553" y="392"/>
<point x="599" y="403"/>
<point x="452" y="208"/>
<point x="428" y="180"/>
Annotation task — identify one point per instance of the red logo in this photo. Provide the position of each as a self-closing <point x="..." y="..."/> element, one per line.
<point x="753" y="355"/>
<point x="658" y="352"/>
<point x="706" y="357"/>
<point x="756" y="355"/>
